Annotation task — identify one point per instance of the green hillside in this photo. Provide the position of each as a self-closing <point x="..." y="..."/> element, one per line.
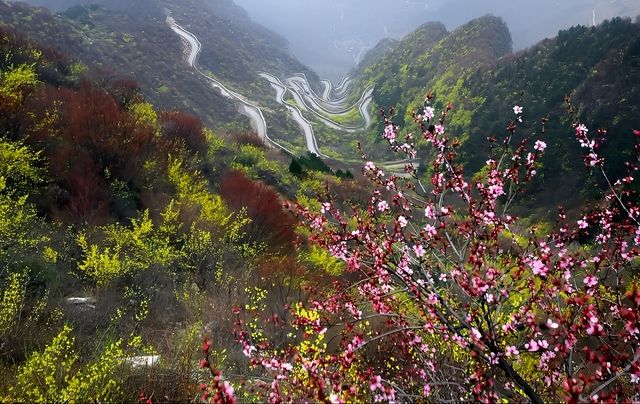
<point x="473" y="69"/>
<point x="136" y="43"/>
<point x="430" y="58"/>
<point x="598" y="68"/>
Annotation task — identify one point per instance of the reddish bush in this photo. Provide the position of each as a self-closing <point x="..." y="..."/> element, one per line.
<point x="93" y="120"/>
<point x="270" y="223"/>
<point x="87" y="190"/>
<point x="85" y="133"/>
<point x="178" y="127"/>
<point x="125" y="91"/>
<point x="248" y="138"/>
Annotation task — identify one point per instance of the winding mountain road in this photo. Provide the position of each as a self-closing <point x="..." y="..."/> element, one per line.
<point x="296" y="114"/>
<point x="247" y="108"/>
<point x="335" y="108"/>
<point x="323" y="108"/>
<point x="304" y="96"/>
<point x="343" y="86"/>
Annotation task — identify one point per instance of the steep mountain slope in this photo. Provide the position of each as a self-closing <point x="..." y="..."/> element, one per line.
<point x="373" y="55"/>
<point x="473" y="69"/>
<point x="431" y="54"/>
<point x="128" y="46"/>
<point x="598" y="68"/>
<point x="235" y="48"/>
<point x="429" y="58"/>
<point x="133" y="40"/>
<point x="419" y="42"/>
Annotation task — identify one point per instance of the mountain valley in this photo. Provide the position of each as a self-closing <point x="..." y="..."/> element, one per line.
<point x="188" y="213"/>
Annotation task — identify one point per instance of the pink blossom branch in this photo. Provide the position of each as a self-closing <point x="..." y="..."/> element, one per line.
<point x="604" y="385"/>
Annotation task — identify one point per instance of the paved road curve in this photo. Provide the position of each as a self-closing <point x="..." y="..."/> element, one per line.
<point x="302" y="92"/>
<point x="247" y="108"/>
<point x="296" y="114"/>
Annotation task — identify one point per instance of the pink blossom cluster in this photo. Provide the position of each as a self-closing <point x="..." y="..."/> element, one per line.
<point x="456" y="294"/>
<point x="217" y="390"/>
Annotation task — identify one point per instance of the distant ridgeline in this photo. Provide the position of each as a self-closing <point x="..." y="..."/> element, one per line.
<point x="474" y="69"/>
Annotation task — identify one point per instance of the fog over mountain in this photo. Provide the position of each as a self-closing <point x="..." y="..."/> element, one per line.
<point x="332" y="35"/>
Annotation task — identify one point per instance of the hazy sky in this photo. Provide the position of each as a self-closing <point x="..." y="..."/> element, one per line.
<point x="329" y="35"/>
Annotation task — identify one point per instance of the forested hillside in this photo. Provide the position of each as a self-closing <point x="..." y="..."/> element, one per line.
<point x="430" y="58"/>
<point x="473" y="69"/>
<point x="431" y="55"/>
<point x="598" y="69"/>
<point x="135" y="42"/>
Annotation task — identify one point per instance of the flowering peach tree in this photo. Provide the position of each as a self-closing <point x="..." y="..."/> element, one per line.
<point x="448" y="296"/>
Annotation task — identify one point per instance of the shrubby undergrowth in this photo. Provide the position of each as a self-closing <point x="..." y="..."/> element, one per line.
<point x="125" y="234"/>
